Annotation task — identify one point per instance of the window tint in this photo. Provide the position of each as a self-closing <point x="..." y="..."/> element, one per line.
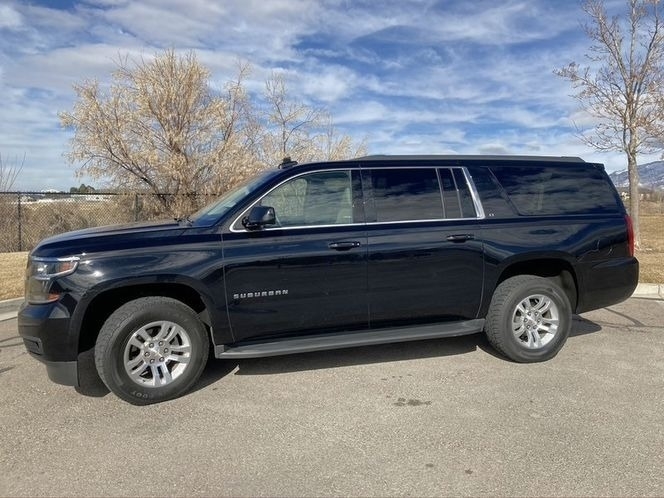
<point x="406" y="194"/>
<point x="551" y="190"/>
<point x="465" y="198"/>
<point x="457" y="199"/>
<point x="494" y="202"/>
<point x="323" y="198"/>
<point x="450" y="196"/>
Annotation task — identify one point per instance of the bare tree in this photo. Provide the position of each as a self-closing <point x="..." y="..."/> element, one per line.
<point x="295" y="129"/>
<point x="159" y="127"/>
<point x="621" y="86"/>
<point x="9" y="213"/>
<point x="9" y="173"/>
<point x="289" y="123"/>
<point x="332" y="145"/>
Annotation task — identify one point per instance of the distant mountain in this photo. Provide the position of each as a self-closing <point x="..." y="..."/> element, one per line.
<point x="651" y="176"/>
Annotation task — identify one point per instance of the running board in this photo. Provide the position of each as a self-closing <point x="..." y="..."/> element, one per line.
<point x="339" y="340"/>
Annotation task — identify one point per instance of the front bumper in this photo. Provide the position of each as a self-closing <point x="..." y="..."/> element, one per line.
<point x="45" y="330"/>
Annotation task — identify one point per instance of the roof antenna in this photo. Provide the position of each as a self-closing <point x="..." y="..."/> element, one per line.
<point x="287" y="163"/>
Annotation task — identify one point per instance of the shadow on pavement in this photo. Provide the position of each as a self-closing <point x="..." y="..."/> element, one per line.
<point x="92" y="385"/>
<point x="366" y="355"/>
<point x="582" y="326"/>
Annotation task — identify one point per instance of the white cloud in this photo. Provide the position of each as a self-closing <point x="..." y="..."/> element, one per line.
<point x="58" y="69"/>
<point x="413" y="76"/>
<point x="329" y="85"/>
<point x="10" y="18"/>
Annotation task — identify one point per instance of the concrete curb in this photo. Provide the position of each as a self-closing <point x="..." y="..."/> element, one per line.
<point x="649" y="291"/>
<point x="9" y="308"/>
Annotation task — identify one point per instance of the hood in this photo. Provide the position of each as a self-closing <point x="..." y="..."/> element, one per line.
<point x="108" y="238"/>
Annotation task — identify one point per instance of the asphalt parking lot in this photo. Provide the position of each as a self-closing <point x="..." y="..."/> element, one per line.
<point x="443" y="417"/>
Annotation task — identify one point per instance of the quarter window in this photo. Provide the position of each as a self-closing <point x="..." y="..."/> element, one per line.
<point x="556" y="190"/>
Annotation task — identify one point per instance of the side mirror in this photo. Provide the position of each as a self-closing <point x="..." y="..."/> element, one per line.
<point x="258" y="217"/>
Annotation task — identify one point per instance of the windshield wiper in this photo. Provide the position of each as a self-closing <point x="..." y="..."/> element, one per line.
<point x="184" y="219"/>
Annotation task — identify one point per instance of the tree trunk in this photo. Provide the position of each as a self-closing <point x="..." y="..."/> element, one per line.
<point x="634" y="196"/>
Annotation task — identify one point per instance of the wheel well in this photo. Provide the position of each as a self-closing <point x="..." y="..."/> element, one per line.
<point x="557" y="270"/>
<point x="106" y="303"/>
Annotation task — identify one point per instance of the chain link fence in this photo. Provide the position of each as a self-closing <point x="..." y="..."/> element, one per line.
<point x="28" y="217"/>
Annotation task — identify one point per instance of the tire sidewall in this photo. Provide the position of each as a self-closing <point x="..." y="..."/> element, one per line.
<point x="116" y="376"/>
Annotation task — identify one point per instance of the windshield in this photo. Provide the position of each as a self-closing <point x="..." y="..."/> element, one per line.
<point x="213" y="212"/>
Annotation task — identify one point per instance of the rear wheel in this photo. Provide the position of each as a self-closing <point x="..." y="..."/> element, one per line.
<point x="151" y="349"/>
<point x="529" y="318"/>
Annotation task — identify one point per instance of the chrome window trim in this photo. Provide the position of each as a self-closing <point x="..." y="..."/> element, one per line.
<point x="471" y="186"/>
<point x="479" y="209"/>
<point x="429" y="220"/>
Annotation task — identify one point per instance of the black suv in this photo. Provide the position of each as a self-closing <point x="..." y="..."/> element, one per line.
<point x="330" y="255"/>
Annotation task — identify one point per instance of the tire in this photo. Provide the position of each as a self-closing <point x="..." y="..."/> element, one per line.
<point x="151" y="349"/>
<point x="529" y="319"/>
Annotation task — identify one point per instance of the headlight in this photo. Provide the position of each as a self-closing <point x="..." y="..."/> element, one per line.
<point x="45" y="268"/>
<point x="40" y="275"/>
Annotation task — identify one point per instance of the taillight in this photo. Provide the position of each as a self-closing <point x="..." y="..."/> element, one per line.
<point x="630" y="234"/>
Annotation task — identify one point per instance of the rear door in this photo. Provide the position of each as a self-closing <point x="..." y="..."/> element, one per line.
<point x="425" y="261"/>
<point x="308" y="273"/>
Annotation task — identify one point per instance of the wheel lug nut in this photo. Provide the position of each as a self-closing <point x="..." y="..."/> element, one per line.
<point x="146" y="354"/>
<point x="152" y="360"/>
<point x="165" y="350"/>
<point x="161" y="343"/>
<point x="161" y="359"/>
<point x="151" y="344"/>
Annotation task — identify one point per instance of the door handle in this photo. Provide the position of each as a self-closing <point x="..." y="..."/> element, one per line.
<point x="460" y="237"/>
<point x="344" y="246"/>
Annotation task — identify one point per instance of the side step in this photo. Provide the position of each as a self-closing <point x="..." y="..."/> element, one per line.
<point x="339" y="340"/>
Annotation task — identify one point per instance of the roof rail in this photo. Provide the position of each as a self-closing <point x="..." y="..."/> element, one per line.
<point x="500" y="157"/>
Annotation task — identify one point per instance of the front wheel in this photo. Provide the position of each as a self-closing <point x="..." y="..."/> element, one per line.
<point x="151" y="349"/>
<point x="529" y="318"/>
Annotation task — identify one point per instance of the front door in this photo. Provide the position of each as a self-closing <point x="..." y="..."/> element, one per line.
<point x="307" y="273"/>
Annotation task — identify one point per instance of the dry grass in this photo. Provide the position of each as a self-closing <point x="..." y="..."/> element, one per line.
<point x="12" y="264"/>
<point x="12" y="274"/>
<point x="651" y="256"/>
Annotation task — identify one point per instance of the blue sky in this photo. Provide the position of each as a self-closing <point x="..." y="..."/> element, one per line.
<point x="410" y="76"/>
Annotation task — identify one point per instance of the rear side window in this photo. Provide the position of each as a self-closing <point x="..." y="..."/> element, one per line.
<point x="457" y="200"/>
<point x="406" y="194"/>
<point x="416" y="194"/>
<point x="553" y="190"/>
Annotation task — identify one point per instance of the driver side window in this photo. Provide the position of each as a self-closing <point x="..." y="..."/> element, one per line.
<point x="322" y="198"/>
